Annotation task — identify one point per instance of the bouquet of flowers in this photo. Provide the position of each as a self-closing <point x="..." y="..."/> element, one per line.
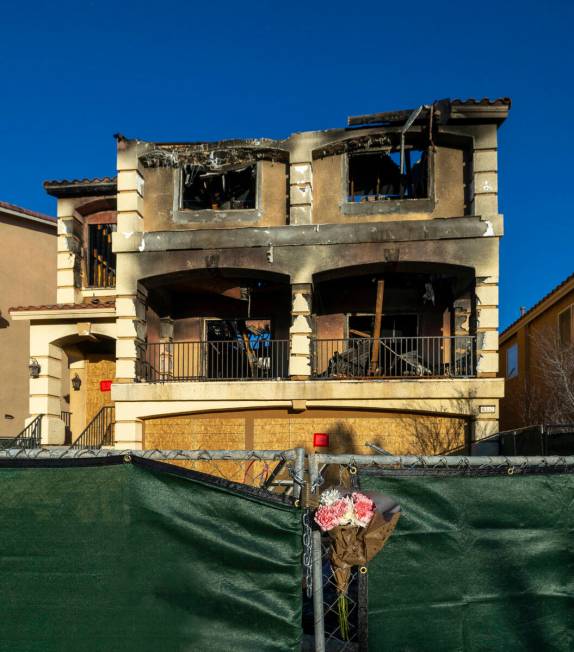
<point x="358" y="531"/>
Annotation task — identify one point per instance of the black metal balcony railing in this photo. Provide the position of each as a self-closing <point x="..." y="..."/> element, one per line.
<point x="218" y="360"/>
<point x="395" y="357"/>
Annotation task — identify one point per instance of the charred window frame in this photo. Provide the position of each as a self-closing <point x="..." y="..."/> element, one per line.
<point x="376" y="175"/>
<point x="99" y="270"/>
<point x="235" y="188"/>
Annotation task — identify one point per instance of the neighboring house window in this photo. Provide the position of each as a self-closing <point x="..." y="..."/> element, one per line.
<point x="231" y="189"/>
<point x="376" y="176"/>
<point x="565" y="326"/>
<point x="512" y="361"/>
<point x="101" y="259"/>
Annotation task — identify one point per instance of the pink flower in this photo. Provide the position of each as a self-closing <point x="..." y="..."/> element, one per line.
<point x="343" y="510"/>
<point x="338" y="513"/>
<point x="326" y="518"/>
<point x="364" y="509"/>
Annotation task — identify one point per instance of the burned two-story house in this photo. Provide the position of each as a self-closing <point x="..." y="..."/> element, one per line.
<point x="254" y="294"/>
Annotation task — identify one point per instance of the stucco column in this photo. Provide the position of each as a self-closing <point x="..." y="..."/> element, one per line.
<point x="45" y="391"/>
<point x="482" y="426"/>
<point x="130" y="339"/>
<point x="301" y="330"/>
<point x="131" y="299"/>
<point x="69" y="253"/>
<point x="485" y="171"/>
<point x="301" y="191"/>
<point x="487" y="326"/>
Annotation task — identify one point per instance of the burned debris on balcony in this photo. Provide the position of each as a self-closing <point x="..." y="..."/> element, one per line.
<point x="400" y="327"/>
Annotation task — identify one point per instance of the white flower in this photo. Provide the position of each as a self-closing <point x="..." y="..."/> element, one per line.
<point x="330" y="496"/>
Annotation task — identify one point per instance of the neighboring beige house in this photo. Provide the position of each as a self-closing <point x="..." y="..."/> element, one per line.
<point x="537" y="361"/>
<point x="27" y="273"/>
<point x="253" y="293"/>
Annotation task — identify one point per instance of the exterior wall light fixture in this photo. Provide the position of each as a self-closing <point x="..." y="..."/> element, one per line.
<point x="76" y="382"/>
<point x="34" y="368"/>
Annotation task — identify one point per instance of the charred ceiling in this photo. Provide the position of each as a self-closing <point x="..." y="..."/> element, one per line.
<point x="217" y="156"/>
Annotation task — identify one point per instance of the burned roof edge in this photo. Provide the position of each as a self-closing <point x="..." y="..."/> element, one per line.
<point x="445" y="110"/>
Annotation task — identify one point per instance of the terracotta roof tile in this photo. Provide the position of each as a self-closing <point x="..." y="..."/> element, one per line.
<point x="82" y="182"/>
<point x="26" y="211"/>
<point x="81" y="187"/>
<point x="91" y="305"/>
<point x="485" y="101"/>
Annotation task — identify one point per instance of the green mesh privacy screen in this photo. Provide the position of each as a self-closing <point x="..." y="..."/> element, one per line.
<point x="144" y="556"/>
<point x="477" y="562"/>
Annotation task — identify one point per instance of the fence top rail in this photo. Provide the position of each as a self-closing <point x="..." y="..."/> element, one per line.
<point x="66" y="452"/>
<point x="409" y="461"/>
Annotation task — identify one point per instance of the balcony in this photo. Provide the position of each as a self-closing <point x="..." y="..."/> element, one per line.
<point x="351" y="358"/>
<point x="394" y="357"/>
<point x="239" y="359"/>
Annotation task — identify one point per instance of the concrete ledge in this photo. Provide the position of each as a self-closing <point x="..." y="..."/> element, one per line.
<point x="299" y="234"/>
<point x="462" y="389"/>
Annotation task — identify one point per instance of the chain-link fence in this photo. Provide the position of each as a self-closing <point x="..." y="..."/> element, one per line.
<point x="341" y="470"/>
<point x="284" y="472"/>
<point x="274" y="470"/>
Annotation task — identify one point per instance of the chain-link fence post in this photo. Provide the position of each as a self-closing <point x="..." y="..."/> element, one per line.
<point x="318" y="611"/>
<point x="299" y="473"/>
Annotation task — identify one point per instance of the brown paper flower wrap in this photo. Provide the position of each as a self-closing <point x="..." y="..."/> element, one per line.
<point x="357" y="531"/>
<point x="356" y="546"/>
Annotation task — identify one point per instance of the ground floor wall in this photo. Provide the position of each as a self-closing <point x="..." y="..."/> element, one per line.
<point x="349" y="431"/>
<point x="411" y="416"/>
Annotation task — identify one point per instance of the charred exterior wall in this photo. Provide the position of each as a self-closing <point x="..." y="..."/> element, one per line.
<point x="446" y="197"/>
<point x="163" y="210"/>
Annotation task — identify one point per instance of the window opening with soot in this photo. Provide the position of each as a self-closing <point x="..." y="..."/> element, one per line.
<point x="376" y="176"/>
<point x="230" y="189"/>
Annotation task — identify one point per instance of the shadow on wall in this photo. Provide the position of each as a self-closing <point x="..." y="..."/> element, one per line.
<point x="342" y="439"/>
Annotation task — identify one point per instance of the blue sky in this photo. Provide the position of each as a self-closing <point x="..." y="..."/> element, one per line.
<point x="74" y="73"/>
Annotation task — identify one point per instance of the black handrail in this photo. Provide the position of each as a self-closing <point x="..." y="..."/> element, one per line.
<point x="395" y="357"/>
<point x="30" y="437"/>
<point x="99" y="432"/>
<point x="239" y="359"/>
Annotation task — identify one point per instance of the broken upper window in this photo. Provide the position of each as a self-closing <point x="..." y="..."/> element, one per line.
<point x="231" y="189"/>
<point x="101" y="259"/>
<point x="376" y="176"/>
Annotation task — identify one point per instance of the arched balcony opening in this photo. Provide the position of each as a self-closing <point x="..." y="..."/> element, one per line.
<point x="216" y="324"/>
<point x="395" y="320"/>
